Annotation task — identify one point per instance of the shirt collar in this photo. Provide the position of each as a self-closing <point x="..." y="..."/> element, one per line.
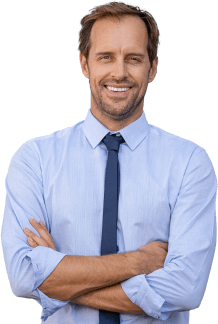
<point x="133" y="133"/>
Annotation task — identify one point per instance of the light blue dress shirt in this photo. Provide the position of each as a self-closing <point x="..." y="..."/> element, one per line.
<point x="167" y="193"/>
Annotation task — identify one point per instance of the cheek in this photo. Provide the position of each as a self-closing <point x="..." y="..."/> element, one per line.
<point x="139" y="75"/>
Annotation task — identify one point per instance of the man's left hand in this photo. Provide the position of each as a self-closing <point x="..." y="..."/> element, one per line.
<point x="44" y="238"/>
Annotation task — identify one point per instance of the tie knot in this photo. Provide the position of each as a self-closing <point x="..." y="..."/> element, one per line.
<point x="113" y="142"/>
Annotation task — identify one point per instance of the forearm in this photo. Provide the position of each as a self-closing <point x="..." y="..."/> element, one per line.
<point x="111" y="299"/>
<point x="77" y="275"/>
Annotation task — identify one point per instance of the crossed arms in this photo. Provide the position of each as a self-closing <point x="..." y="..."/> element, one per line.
<point x="178" y="286"/>
<point x="94" y="281"/>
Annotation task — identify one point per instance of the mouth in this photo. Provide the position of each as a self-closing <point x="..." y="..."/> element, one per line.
<point x="118" y="93"/>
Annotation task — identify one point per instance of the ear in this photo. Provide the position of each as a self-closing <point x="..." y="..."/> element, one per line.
<point x="153" y="70"/>
<point x="84" y="65"/>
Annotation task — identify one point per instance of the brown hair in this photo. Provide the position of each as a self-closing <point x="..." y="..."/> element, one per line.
<point x="118" y="10"/>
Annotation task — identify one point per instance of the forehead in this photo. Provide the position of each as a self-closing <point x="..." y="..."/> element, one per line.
<point x="110" y="34"/>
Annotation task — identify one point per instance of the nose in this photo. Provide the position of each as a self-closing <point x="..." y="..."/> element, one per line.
<point x="119" y="70"/>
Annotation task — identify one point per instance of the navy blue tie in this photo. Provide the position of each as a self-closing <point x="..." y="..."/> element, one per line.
<point x="110" y="211"/>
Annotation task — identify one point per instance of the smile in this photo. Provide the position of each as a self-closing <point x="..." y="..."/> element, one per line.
<point x="116" y="92"/>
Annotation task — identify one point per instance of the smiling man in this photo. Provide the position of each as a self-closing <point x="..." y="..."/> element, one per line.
<point x="119" y="70"/>
<point x="113" y="219"/>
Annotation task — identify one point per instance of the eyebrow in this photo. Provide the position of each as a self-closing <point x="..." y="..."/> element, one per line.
<point x="110" y="53"/>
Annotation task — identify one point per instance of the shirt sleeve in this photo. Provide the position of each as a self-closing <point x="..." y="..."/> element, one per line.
<point x="26" y="267"/>
<point x="181" y="283"/>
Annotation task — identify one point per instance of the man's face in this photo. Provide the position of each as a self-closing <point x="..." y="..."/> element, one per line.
<point x="118" y="57"/>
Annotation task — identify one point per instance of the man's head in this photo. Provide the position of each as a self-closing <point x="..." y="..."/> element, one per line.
<point x="118" y="48"/>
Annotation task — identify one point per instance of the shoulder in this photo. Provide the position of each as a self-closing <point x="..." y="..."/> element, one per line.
<point x="177" y="153"/>
<point x="174" y="144"/>
<point x="45" y="145"/>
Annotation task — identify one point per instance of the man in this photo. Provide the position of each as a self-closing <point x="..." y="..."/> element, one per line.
<point x="57" y="187"/>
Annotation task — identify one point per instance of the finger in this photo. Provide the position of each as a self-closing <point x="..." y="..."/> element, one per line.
<point x="36" y="238"/>
<point x="45" y="238"/>
<point x="31" y="242"/>
<point x="36" y="225"/>
<point x="43" y="225"/>
<point x="44" y="234"/>
<point x="49" y="239"/>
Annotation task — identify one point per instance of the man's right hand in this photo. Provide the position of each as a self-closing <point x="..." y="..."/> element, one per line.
<point x="152" y="256"/>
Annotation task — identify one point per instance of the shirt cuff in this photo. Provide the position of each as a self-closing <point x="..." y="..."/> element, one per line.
<point x="141" y="294"/>
<point x="44" y="261"/>
<point x="49" y="305"/>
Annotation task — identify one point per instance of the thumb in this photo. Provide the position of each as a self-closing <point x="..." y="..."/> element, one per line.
<point x="164" y="246"/>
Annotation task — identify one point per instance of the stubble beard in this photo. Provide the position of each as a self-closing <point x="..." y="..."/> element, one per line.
<point x="120" y="112"/>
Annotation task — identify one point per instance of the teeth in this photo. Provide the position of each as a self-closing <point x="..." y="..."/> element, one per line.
<point x="117" y="89"/>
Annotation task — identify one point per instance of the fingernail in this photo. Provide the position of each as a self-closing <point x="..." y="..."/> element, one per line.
<point x="26" y="230"/>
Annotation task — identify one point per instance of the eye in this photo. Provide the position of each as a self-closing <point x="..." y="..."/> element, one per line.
<point x="131" y="58"/>
<point x="134" y="58"/>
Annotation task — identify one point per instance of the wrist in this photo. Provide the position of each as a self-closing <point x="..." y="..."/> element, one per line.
<point x="134" y="262"/>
